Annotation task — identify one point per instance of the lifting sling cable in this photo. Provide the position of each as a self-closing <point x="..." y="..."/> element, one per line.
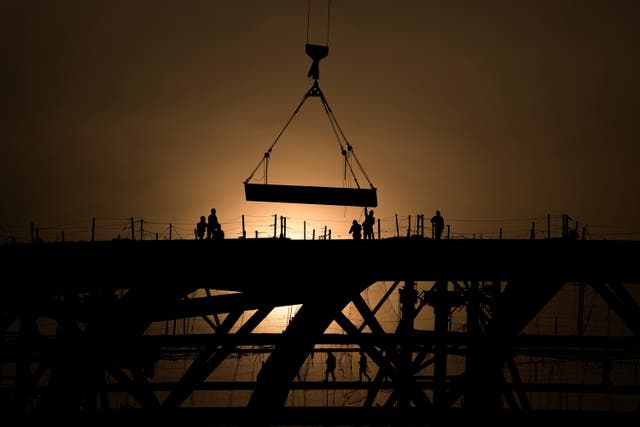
<point x="337" y="130"/>
<point x="349" y="151"/>
<point x="312" y="73"/>
<point x="312" y="194"/>
<point x="267" y="153"/>
<point x="335" y="127"/>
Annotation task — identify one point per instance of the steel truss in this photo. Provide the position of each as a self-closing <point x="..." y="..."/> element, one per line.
<point x="451" y="350"/>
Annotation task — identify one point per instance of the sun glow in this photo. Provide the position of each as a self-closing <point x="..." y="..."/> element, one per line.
<point x="278" y="320"/>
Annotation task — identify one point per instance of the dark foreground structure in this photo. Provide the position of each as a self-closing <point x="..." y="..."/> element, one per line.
<point x="508" y="332"/>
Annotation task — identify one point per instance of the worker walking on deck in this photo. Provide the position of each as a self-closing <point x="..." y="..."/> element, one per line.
<point x="331" y="367"/>
<point x="363" y="366"/>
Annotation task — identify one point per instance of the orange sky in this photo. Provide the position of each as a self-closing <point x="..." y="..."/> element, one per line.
<point x="495" y="112"/>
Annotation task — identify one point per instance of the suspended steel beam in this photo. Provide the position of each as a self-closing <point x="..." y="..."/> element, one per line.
<point x="311" y="195"/>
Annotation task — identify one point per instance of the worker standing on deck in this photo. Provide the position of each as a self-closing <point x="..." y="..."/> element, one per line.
<point x="201" y="228"/>
<point x="437" y="222"/>
<point x="212" y="224"/>
<point x="356" y="230"/>
<point x="367" y="224"/>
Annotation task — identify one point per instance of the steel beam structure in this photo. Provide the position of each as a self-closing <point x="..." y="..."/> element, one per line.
<point x="83" y="339"/>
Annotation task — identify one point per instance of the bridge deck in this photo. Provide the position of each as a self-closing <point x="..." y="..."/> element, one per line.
<point x="298" y="271"/>
<point x="286" y="264"/>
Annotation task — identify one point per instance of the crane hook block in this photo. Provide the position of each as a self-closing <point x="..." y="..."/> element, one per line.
<point x="315" y="52"/>
<point x="311" y="195"/>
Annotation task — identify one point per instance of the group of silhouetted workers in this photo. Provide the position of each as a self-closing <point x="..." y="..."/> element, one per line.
<point x="331" y="367"/>
<point x="209" y="227"/>
<point x="365" y="230"/>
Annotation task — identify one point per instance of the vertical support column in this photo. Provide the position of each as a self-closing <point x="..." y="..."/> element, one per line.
<point x="580" y="309"/>
<point x="275" y="226"/>
<point x="23" y="363"/>
<point x="244" y="231"/>
<point x="408" y="300"/>
<point x="483" y="392"/>
<point x="473" y="364"/>
<point x="441" y="326"/>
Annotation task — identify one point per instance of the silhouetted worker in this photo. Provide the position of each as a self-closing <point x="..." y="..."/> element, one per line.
<point x="363" y="366"/>
<point x="368" y="223"/>
<point x="331" y="367"/>
<point x="437" y="222"/>
<point x="218" y="234"/>
<point x="212" y="224"/>
<point x="201" y="228"/>
<point x="356" y="230"/>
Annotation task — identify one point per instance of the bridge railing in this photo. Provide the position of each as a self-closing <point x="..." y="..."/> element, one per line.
<point x="274" y="226"/>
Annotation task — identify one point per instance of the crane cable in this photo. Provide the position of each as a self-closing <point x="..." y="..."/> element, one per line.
<point x="267" y="154"/>
<point x="309" y="20"/>
<point x="334" y="123"/>
<point x="337" y="130"/>
<point x="346" y="152"/>
<point x="335" y="126"/>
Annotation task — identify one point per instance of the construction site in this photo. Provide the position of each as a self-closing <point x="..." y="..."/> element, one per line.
<point x="407" y="328"/>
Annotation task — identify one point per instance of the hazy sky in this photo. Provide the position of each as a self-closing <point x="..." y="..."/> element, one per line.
<point x="495" y="112"/>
